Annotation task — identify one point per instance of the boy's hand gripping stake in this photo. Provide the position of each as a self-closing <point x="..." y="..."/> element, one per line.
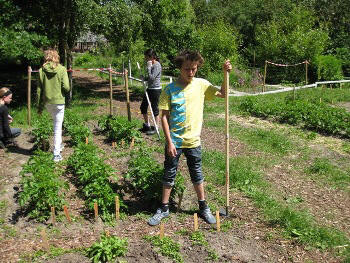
<point x="149" y="102"/>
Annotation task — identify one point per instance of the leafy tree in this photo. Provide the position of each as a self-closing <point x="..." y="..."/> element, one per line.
<point x="218" y="42"/>
<point x="19" y="41"/>
<point x="168" y="26"/>
<point x="292" y="38"/>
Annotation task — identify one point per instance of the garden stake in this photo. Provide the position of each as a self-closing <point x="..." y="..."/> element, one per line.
<point x="180" y="201"/>
<point x="195" y="218"/>
<point x="218" y="221"/>
<point x="110" y="90"/>
<point x="53" y="219"/>
<point x="117" y="208"/>
<point x="44" y="239"/>
<point x="65" y="209"/>
<point x="87" y="140"/>
<point x="226" y="85"/>
<point x="96" y="211"/>
<point x="132" y="143"/>
<point x="161" y="231"/>
<point x="149" y="102"/>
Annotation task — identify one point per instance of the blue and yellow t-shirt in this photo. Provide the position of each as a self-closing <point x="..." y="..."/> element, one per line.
<point x="186" y="110"/>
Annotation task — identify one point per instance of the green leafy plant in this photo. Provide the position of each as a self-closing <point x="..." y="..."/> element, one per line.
<point x="107" y="249"/>
<point x="329" y="68"/>
<point x="41" y="186"/>
<point x="167" y="247"/>
<point x="42" y="131"/>
<point x="94" y="179"/>
<point x="119" y="128"/>
<point x="146" y="174"/>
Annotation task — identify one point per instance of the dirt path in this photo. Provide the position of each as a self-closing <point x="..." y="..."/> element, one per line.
<point x="250" y="239"/>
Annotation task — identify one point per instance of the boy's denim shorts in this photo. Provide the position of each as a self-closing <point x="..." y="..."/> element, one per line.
<point x="194" y="163"/>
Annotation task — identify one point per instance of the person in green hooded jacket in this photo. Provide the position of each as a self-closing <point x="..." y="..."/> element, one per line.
<point x="53" y="84"/>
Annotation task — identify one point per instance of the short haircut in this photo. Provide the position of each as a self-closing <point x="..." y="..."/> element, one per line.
<point x="188" y="55"/>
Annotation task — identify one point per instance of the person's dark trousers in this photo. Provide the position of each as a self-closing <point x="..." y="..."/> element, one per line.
<point x="15" y="132"/>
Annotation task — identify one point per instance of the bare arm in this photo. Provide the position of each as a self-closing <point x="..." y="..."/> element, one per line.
<point x="171" y="149"/>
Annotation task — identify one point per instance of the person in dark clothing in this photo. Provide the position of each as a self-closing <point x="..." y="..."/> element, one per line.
<point x="6" y="133"/>
<point x="154" y="88"/>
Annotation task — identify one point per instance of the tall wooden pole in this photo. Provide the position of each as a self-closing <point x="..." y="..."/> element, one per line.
<point x="29" y="91"/>
<point x="110" y="90"/>
<point x="306" y="80"/>
<point x="127" y="94"/>
<point x="70" y="75"/>
<point x="264" y="89"/>
<point x="227" y="131"/>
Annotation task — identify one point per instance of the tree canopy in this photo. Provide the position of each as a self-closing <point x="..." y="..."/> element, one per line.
<point x="243" y="30"/>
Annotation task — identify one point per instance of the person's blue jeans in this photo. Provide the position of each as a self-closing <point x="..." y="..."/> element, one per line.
<point x="194" y="164"/>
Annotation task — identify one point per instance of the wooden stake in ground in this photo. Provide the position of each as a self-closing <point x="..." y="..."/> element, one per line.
<point x="53" y="217"/>
<point x="306" y="81"/>
<point x="218" y="221"/>
<point x="65" y="209"/>
<point x="195" y="220"/>
<point x="126" y="81"/>
<point x="29" y="91"/>
<point x="180" y="201"/>
<point x="227" y="142"/>
<point x="87" y="140"/>
<point x="46" y="245"/>
<point x="96" y="211"/>
<point x="132" y="143"/>
<point x="161" y="231"/>
<point x="264" y="89"/>
<point x="117" y="207"/>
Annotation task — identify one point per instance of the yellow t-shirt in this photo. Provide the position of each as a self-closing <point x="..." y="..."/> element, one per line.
<point x="186" y="110"/>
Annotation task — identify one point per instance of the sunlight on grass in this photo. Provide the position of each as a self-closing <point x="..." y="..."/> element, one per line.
<point x="296" y="224"/>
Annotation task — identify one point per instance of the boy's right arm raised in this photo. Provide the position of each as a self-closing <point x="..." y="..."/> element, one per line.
<point x="171" y="149"/>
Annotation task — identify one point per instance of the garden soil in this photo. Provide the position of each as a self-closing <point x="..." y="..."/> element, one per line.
<point x="250" y="239"/>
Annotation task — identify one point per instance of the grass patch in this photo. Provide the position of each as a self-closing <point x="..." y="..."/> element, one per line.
<point x="298" y="225"/>
<point x="323" y="168"/>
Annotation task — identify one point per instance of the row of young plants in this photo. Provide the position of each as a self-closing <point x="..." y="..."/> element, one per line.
<point x="309" y="114"/>
<point x="144" y="172"/>
<point x="96" y="181"/>
<point x="42" y="186"/>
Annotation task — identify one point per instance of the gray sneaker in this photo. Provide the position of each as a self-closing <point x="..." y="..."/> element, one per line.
<point x="158" y="216"/>
<point x="57" y="158"/>
<point x="207" y="216"/>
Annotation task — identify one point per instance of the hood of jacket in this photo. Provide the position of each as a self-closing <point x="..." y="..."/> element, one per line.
<point x="50" y="68"/>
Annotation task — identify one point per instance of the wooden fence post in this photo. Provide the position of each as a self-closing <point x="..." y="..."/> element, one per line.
<point x="70" y="75"/>
<point x="306" y="80"/>
<point x="264" y="89"/>
<point x="110" y="90"/>
<point x="127" y="94"/>
<point x="29" y="91"/>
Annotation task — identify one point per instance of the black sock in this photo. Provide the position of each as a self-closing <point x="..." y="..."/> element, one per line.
<point x="202" y="204"/>
<point x="165" y="207"/>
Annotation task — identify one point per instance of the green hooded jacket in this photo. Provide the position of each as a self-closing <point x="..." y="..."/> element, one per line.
<point x="53" y="83"/>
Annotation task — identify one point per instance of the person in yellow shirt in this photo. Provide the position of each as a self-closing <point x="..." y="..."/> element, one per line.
<point x="182" y="103"/>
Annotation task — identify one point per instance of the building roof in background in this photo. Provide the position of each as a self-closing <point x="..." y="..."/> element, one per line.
<point x="90" y="37"/>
